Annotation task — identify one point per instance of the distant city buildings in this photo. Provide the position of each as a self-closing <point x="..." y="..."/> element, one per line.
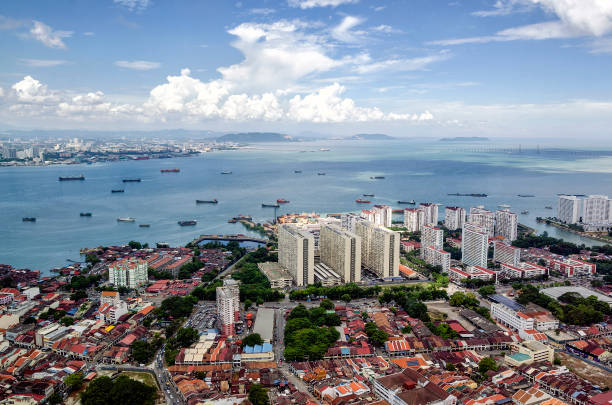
<point x="296" y="253"/>
<point x="474" y="245"/>
<point x="569" y="209"/>
<point x="381" y="215"/>
<point x="341" y="251"/>
<point x="454" y="218"/>
<point x="380" y="249"/>
<point x="228" y="305"/>
<point x="506" y="224"/>
<point x="130" y="273"/>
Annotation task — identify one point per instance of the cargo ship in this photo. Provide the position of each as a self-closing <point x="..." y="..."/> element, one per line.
<point x="525" y="195"/>
<point x="85" y="214"/>
<point x="188" y="223"/>
<point x="282" y="201"/>
<point x="118" y="191"/>
<point x="361" y="201"/>
<point x="377" y="177"/>
<point x="69" y="178"/>
<point x="548" y="207"/>
<point x="28" y="219"/>
<point x="126" y="219"/>
<point x="264" y="205"/>
<point x="131" y="180"/>
<point x="468" y="194"/>
<point x="226" y="172"/>
<point x="144" y="225"/>
<point x="524" y="212"/>
<point x="321" y="174"/>
<point x="170" y="170"/>
<point x="368" y="195"/>
<point x="213" y="201"/>
<point x="297" y="171"/>
<point x="411" y="202"/>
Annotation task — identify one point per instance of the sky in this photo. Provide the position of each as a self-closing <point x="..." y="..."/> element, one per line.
<point x="498" y="68"/>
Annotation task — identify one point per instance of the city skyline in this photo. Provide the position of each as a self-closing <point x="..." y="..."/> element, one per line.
<point x="325" y="66"/>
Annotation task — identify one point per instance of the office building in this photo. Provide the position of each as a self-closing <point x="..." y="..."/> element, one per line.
<point x="414" y="219"/>
<point x="109" y="297"/>
<point x="432" y="236"/>
<point x="276" y="275"/>
<point x="506" y="224"/>
<point x="510" y="313"/>
<point x="454" y="218"/>
<point x="430" y="213"/>
<point x="569" y="209"/>
<point x="437" y="257"/>
<point x="129" y="272"/>
<point x="596" y="209"/>
<point x="341" y="251"/>
<point x="296" y="253"/>
<point x="536" y="350"/>
<point x="484" y="218"/>
<point x="379" y="249"/>
<point x="505" y="253"/>
<point x="474" y="245"/>
<point x="228" y="306"/>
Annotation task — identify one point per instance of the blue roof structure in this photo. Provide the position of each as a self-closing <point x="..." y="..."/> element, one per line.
<point x="345" y="351"/>
<point x="500" y="299"/>
<point x="266" y="347"/>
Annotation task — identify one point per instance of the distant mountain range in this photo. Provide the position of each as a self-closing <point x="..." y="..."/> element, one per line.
<point x="255" y="137"/>
<point x="465" y="139"/>
<point x="372" y="137"/>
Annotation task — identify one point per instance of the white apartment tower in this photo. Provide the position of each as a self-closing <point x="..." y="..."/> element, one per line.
<point x="129" y="272"/>
<point x="296" y="253"/>
<point x="341" y="251"/>
<point x="596" y="209"/>
<point x="437" y="257"/>
<point x="430" y="213"/>
<point x="228" y="305"/>
<point x="414" y="218"/>
<point x="481" y="217"/>
<point x="474" y="245"/>
<point x="506" y="224"/>
<point x="349" y="220"/>
<point x="454" y="218"/>
<point x="379" y="248"/>
<point x="504" y="253"/>
<point x="431" y="236"/>
<point x="569" y="209"/>
<point x="383" y="215"/>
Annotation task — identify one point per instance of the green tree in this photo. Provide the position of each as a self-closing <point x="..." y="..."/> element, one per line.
<point x="486" y="290"/>
<point x="486" y="364"/>
<point x="56" y="399"/>
<point x="67" y="321"/>
<point x="406" y="329"/>
<point x="252" y="340"/>
<point x="134" y="245"/>
<point x="258" y="395"/>
<point x="92" y="258"/>
<point x="74" y="381"/>
<point x="187" y="336"/>
<point x="128" y="391"/>
<point x="142" y="351"/>
<point x="346" y="298"/>
<point x="327" y="304"/>
<point x="450" y="367"/>
<point x="557" y="361"/>
<point x="29" y="319"/>
<point x="247" y="304"/>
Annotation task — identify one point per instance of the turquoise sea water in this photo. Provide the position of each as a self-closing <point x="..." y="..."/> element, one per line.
<point x="419" y="170"/>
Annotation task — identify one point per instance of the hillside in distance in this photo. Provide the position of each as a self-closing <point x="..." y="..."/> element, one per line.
<point x="255" y="137"/>
<point x="372" y="137"/>
<point x="465" y="139"/>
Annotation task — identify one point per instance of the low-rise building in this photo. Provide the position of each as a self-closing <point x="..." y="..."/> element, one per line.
<point x="522" y="270"/>
<point x="276" y="274"/>
<point x="572" y="267"/>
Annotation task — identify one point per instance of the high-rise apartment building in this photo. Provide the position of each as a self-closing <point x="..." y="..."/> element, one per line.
<point x="485" y="218"/>
<point x="296" y="253"/>
<point x="506" y="224"/>
<point x="437" y="257"/>
<point x="383" y="215"/>
<point x="341" y="251"/>
<point x="430" y="213"/>
<point x="414" y="219"/>
<point x="596" y="209"/>
<point x="379" y="248"/>
<point x="569" y="209"/>
<point x="349" y="220"/>
<point x="505" y="253"/>
<point x="129" y="272"/>
<point x="474" y="245"/>
<point x="228" y="305"/>
<point x="432" y="236"/>
<point x="454" y="218"/>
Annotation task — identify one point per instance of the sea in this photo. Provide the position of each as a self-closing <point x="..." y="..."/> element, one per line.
<point x="423" y="170"/>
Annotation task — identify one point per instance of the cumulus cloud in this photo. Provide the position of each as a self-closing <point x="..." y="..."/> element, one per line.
<point x="50" y="38"/>
<point x="134" y="5"/>
<point x="306" y="4"/>
<point x="138" y="64"/>
<point x="575" y="18"/>
<point x="43" y="62"/>
<point x="344" y="31"/>
<point x="30" y="90"/>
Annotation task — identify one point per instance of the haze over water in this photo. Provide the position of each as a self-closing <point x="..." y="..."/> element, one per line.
<point x="425" y="171"/>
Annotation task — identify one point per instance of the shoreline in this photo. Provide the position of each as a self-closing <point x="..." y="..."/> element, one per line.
<point x="558" y="225"/>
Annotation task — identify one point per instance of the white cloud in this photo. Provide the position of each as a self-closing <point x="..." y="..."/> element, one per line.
<point x="89" y="34"/>
<point x="263" y="11"/>
<point x="242" y="107"/>
<point x="380" y="8"/>
<point x="43" y="62"/>
<point x="138" y="64"/>
<point x="7" y="23"/>
<point x="1" y="92"/>
<point x="575" y="18"/>
<point x="503" y="7"/>
<point x="30" y="90"/>
<point x="134" y="5"/>
<point x="601" y="45"/>
<point x="45" y="34"/>
<point x="403" y="64"/>
<point x="386" y="29"/>
<point x="305" y="4"/>
<point x="344" y="31"/>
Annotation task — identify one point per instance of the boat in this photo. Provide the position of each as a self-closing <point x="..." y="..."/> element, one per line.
<point x="524" y="212"/>
<point x="191" y="222"/>
<point x="503" y="206"/>
<point x="213" y="201"/>
<point x="469" y="194"/>
<point x="118" y="191"/>
<point x="361" y="201"/>
<point x="548" y="207"/>
<point x="85" y="214"/>
<point x="411" y="202"/>
<point x="324" y="149"/>
<point x="131" y="180"/>
<point x="226" y="172"/>
<point x="377" y="177"/>
<point x="28" y="219"/>
<point x="69" y="178"/>
<point x="368" y="195"/>
<point x="297" y="171"/>
<point x="282" y="201"/>
<point x="525" y="195"/>
<point x="144" y="225"/>
<point x="126" y="219"/>
<point x="170" y="170"/>
<point x="321" y="173"/>
<point x="264" y="205"/>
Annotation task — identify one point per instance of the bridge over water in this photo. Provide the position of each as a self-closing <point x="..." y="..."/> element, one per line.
<point x="227" y="238"/>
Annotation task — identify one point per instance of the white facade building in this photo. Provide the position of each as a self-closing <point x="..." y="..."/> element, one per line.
<point x="383" y="215"/>
<point x="296" y="253"/>
<point x="510" y="313"/>
<point x="569" y="209"/>
<point x="454" y="218"/>
<point x="130" y="273"/>
<point x="437" y="257"/>
<point x="432" y="236"/>
<point x="506" y="224"/>
<point x="414" y="219"/>
<point x="505" y="253"/>
<point x="341" y="251"/>
<point x="596" y="209"/>
<point x="228" y="305"/>
<point x="380" y="249"/>
<point x="474" y="245"/>
<point x="484" y="218"/>
<point x="430" y="213"/>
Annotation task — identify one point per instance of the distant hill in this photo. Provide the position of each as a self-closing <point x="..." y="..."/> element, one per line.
<point x="255" y="137"/>
<point x="465" y="139"/>
<point x="371" y="136"/>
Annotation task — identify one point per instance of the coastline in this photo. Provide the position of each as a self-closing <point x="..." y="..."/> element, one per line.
<point x="556" y="224"/>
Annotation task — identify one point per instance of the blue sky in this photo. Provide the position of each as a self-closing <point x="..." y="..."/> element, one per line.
<point x="520" y="68"/>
